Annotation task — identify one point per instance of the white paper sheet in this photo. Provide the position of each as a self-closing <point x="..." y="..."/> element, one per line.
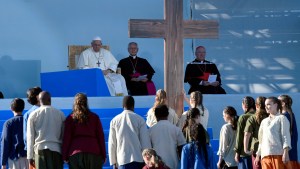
<point x="212" y="78"/>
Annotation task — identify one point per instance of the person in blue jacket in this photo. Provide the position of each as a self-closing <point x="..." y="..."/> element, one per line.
<point x="12" y="143"/>
<point x="197" y="154"/>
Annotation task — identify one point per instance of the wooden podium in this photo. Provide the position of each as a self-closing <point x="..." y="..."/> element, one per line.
<point x="69" y="83"/>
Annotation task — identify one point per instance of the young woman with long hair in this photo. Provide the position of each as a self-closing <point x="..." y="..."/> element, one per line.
<point x="227" y="139"/>
<point x="160" y="99"/>
<point x="193" y="117"/>
<point x="274" y="137"/>
<point x="287" y="111"/>
<point x="197" y="153"/>
<point x="244" y="160"/>
<point x="252" y="127"/>
<point x="196" y="101"/>
<point x="83" y="142"/>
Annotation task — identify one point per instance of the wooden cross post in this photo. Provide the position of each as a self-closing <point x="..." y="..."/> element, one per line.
<point x="173" y="29"/>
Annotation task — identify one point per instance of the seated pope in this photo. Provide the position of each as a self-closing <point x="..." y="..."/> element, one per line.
<point x="97" y="57"/>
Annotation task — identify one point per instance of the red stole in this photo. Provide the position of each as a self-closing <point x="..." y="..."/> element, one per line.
<point x="204" y="76"/>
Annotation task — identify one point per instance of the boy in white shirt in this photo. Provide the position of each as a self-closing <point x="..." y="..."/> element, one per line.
<point x="128" y="137"/>
<point x="166" y="138"/>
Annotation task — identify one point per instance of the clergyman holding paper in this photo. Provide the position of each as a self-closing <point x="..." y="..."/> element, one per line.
<point x="203" y="75"/>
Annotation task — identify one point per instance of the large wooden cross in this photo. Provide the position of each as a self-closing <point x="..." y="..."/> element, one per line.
<point x="173" y="29"/>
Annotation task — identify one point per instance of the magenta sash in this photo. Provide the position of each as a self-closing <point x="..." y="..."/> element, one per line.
<point x="150" y="85"/>
<point x="151" y="88"/>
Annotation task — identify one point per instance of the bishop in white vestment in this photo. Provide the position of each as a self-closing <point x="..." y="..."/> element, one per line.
<point x="97" y="57"/>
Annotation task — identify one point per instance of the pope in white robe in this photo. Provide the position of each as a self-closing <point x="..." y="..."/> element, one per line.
<point x="97" y="57"/>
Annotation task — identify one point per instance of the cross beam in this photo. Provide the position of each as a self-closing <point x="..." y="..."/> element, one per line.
<point x="173" y="29"/>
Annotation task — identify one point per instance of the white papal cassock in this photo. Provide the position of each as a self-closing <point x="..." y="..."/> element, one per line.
<point x="104" y="60"/>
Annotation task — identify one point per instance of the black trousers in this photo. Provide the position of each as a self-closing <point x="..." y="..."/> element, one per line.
<point x="85" y="161"/>
<point x="47" y="159"/>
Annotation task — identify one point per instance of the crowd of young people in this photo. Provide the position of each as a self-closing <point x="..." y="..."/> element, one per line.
<point x="264" y="136"/>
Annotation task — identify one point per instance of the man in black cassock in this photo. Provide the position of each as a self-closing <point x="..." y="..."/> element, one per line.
<point x="137" y="73"/>
<point x="200" y="75"/>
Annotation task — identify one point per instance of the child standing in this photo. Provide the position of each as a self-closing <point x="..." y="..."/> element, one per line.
<point x="166" y="139"/>
<point x="152" y="160"/>
<point x="12" y="143"/>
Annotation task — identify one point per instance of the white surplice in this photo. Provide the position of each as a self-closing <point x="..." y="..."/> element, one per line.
<point x="104" y="60"/>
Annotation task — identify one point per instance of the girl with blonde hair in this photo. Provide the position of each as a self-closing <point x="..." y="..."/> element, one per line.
<point x="160" y="99"/>
<point x="152" y="160"/>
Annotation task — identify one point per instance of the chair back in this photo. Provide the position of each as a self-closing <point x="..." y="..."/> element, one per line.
<point x="74" y="52"/>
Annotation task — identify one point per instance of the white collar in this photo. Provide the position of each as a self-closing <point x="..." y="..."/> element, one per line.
<point x="133" y="56"/>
